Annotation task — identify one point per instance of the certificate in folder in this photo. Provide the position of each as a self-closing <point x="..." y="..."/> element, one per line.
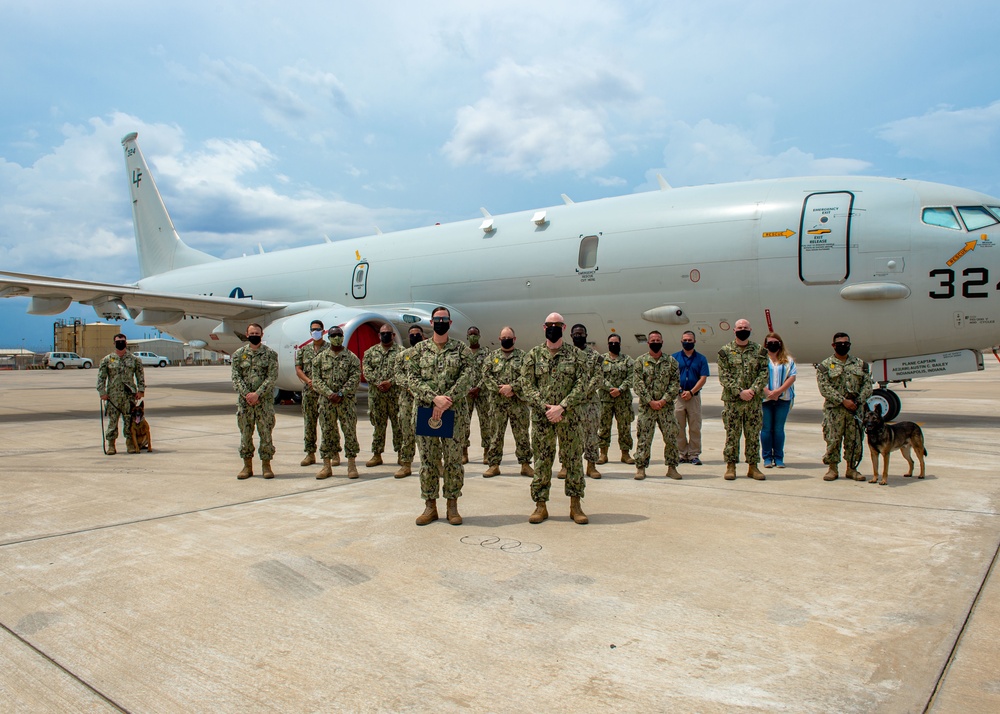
<point x="443" y="428"/>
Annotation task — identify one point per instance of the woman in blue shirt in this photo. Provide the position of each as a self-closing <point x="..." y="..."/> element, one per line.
<point x="778" y="397"/>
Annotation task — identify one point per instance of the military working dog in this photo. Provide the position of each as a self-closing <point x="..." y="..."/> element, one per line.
<point x="885" y="438"/>
<point x="139" y="438"/>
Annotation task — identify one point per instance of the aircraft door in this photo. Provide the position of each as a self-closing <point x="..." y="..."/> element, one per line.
<point x="824" y="237"/>
<point x="359" y="283"/>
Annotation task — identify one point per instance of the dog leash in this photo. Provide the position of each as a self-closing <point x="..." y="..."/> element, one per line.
<point x="104" y="404"/>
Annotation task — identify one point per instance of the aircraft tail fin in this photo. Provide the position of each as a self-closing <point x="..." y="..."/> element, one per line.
<point x="160" y="248"/>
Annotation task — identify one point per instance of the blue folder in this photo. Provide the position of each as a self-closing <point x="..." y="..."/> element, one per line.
<point x="444" y="429"/>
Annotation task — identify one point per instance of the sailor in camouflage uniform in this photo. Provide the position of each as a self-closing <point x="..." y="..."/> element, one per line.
<point x="657" y="383"/>
<point x="502" y="380"/>
<point x="743" y="373"/>
<point x="479" y="399"/>
<point x="616" y="400"/>
<point x="336" y="376"/>
<point x="310" y="397"/>
<point x="440" y="372"/>
<point x="383" y="395"/>
<point x="407" y="439"/>
<point x="121" y="383"/>
<point x="590" y="416"/>
<point x="254" y="374"/>
<point x="845" y="383"/>
<point x="554" y="377"/>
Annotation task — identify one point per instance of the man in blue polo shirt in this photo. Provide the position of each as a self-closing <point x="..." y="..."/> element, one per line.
<point x="687" y="409"/>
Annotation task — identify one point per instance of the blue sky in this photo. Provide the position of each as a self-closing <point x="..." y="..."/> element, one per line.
<point x="277" y="123"/>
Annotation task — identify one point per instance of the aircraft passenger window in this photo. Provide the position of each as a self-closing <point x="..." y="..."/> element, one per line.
<point x="976" y="217"/>
<point x="943" y="217"/>
<point x="588" y="252"/>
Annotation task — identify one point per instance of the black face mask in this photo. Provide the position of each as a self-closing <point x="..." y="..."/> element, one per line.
<point x="507" y="343"/>
<point x="615" y="348"/>
<point x="655" y="347"/>
<point x="441" y="328"/>
<point x="254" y="339"/>
<point x="553" y="333"/>
<point x="415" y="338"/>
<point x="580" y="341"/>
<point x="773" y="347"/>
<point x="742" y="334"/>
<point x="842" y="348"/>
<point x="386" y="337"/>
<point x="119" y="344"/>
<point x="687" y="346"/>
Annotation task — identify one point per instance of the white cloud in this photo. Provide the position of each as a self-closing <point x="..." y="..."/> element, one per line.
<point x="946" y="134"/>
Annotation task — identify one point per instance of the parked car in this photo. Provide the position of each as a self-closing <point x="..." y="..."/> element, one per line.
<point x="150" y="359"/>
<point x="61" y="360"/>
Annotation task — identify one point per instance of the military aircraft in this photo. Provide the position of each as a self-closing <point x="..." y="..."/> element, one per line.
<point x="908" y="269"/>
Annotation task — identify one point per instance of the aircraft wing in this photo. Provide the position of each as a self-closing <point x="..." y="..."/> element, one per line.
<point x="50" y="296"/>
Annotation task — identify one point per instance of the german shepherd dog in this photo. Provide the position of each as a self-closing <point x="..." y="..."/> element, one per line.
<point x="138" y="438"/>
<point x="885" y="438"/>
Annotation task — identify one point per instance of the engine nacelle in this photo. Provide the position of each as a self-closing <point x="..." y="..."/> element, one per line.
<point x="286" y="334"/>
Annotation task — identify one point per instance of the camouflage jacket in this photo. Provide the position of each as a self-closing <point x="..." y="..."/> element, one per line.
<point x="483" y="358"/>
<point x="616" y="373"/>
<point x="555" y="379"/>
<point x="336" y="373"/>
<point x="837" y="379"/>
<point x="399" y="375"/>
<point x="304" y="358"/>
<point x="656" y="378"/>
<point x="594" y="384"/>
<point x="433" y="371"/>
<point x="742" y="368"/>
<point x="255" y="371"/>
<point x="379" y="363"/>
<point x="118" y="374"/>
<point x="505" y="368"/>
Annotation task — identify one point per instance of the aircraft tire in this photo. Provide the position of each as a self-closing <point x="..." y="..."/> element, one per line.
<point x="888" y="400"/>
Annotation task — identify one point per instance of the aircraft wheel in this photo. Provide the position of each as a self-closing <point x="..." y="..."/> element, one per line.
<point x="888" y="400"/>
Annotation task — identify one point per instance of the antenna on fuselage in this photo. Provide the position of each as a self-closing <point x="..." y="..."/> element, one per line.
<point x="566" y="199"/>
<point x="664" y="186"/>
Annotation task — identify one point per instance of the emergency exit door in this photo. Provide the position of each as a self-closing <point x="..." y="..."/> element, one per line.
<point x="824" y="238"/>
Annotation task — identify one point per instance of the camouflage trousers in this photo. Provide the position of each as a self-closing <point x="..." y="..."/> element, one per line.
<point x="346" y="415"/>
<point x="118" y="399"/>
<point x="543" y="444"/>
<point x="310" y="419"/>
<point x="616" y="409"/>
<point x="483" y="407"/>
<point x="261" y="416"/>
<point x="746" y="418"/>
<point x="383" y="408"/>
<point x="407" y="438"/>
<point x="648" y="421"/>
<point x="516" y="412"/>
<point x="590" y="425"/>
<point x="441" y="460"/>
<point x="841" y="426"/>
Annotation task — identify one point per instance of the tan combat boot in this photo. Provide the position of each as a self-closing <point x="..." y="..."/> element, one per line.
<point x="854" y="474"/>
<point x="326" y="471"/>
<point x="309" y="459"/>
<point x="640" y="473"/>
<point x="465" y="456"/>
<point x="526" y="470"/>
<point x="831" y="473"/>
<point x="375" y="460"/>
<point x="673" y="473"/>
<point x="730" y="472"/>
<point x="404" y="470"/>
<point x="335" y="461"/>
<point x="485" y="458"/>
<point x="576" y="512"/>
<point x="562" y="472"/>
<point x="626" y="459"/>
<point x="247" y="471"/>
<point x="352" y="468"/>
<point x="453" y="516"/>
<point x="755" y="473"/>
<point x="603" y="458"/>
<point x="265" y="469"/>
<point x="491" y="472"/>
<point x="540" y="514"/>
<point x="430" y="513"/>
<point x="111" y="447"/>
<point x="592" y="470"/>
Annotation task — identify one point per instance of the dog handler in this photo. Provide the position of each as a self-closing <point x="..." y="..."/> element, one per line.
<point x="845" y="384"/>
<point x="120" y="382"/>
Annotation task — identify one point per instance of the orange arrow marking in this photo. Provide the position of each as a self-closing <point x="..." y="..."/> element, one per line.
<point x="779" y="234"/>
<point x="971" y="245"/>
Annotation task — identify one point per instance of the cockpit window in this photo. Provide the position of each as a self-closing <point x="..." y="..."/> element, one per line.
<point x="995" y="210"/>
<point x="943" y="217"/>
<point x="976" y="217"/>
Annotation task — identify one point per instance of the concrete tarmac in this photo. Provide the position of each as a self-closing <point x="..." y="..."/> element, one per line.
<point x="159" y="583"/>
